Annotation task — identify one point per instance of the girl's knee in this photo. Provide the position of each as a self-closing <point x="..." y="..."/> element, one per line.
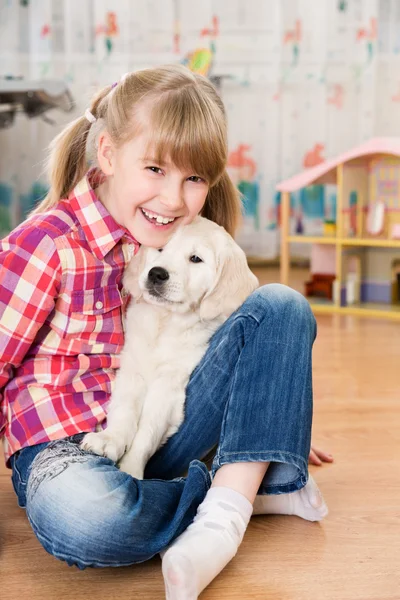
<point x="284" y="295"/>
<point x="282" y="304"/>
<point x="83" y="515"/>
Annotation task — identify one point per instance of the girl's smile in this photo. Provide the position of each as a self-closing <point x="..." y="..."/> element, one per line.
<point x="156" y="219"/>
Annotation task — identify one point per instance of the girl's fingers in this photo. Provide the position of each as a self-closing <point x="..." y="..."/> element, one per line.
<point x="313" y="459"/>
<point x="317" y="457"/>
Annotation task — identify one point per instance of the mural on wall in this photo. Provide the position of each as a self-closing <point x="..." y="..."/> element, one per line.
<point x="201" y="59"/>
<point x="293" y="37"/>
<point x="109" y="30"/>
<point x="301" y="80"/>
<point x="243" y="172"/>
<point x="314" y="157"/>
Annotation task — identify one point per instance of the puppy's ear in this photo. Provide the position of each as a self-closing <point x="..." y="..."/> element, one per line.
<point x="234" y="283"/>
<point x="132" y="273"/>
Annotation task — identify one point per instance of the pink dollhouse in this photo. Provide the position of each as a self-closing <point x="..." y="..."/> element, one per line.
<point x="358" y="251"/>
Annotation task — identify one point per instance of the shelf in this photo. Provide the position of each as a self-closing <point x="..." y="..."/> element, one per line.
<point x="320" y="305"/>
<point x="365" y="309"/>
<point x="370" y="242"/>
<point x="304" y="239"/>
<point x="309" y="239"/>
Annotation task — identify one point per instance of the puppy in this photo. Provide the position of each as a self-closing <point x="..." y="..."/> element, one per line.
<point x="181" y="294"/>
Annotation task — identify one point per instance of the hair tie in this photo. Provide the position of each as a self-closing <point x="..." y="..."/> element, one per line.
<point x="123" y="77"/>
<point x="88" y="115"/>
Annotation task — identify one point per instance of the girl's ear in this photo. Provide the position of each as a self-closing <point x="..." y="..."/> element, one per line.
<point x="105" y="153"/>
<point x="132" y="273"/>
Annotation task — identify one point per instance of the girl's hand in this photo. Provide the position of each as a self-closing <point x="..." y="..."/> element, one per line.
<point x="317" y="457"/>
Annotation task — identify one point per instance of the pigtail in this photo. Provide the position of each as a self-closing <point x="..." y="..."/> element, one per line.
<point x="67" y="160"/>
<point x="223" y="204"/>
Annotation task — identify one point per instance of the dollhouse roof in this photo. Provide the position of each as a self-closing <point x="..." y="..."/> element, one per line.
<point x="325" y="172"/>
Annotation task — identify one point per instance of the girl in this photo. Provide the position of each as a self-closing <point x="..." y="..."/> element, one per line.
<point x="159" y="147"/>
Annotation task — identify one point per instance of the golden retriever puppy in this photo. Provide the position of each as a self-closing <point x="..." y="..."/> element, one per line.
<point x="181" y="294"/>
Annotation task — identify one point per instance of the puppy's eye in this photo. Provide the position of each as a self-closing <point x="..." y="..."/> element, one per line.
<point x="160" y="249"/>
<point x="195" y="259"/>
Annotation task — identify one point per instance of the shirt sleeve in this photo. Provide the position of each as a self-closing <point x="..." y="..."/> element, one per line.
<point x="30" y="274"/>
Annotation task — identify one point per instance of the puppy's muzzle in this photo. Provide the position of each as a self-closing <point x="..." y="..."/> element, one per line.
<point x="157" y="276"/>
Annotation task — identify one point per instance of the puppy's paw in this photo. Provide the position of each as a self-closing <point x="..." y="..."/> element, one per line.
<point x="132" y="467"/>
<point x="104" y="444"/>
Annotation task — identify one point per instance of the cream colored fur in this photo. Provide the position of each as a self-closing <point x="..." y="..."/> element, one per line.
<point x="167" y="334"/>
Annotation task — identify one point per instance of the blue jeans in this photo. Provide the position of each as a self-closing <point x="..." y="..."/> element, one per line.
<point x="251" y="394"/>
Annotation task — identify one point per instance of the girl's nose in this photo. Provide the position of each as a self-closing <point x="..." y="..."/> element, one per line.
<point x="172" y="197"/>
<point x="173" y="202"/>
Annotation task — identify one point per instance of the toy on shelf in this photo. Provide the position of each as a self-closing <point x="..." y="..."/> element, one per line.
<point x="395" y="231"/>
<point x="352" y="279"/>
<point x="376" y="218"/>
<point x="320" y="286"/>
<point x="353" y="217"/>
<point x="396" y="281"/>
<point x="330" y="201"/>
<point x="313" y="209"/>
<point x="358" y="248"/>
<point x="329" y="228"/>
<point x="323" y="272"/>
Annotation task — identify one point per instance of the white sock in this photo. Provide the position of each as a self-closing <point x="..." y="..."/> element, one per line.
<point x="306" y="503"/>
<point x="208" y="544"/>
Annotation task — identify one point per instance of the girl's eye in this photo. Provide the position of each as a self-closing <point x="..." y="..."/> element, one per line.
<point x="155" y="169"/>
<point x="195" y="259"/>
<point x="196" y="179"/>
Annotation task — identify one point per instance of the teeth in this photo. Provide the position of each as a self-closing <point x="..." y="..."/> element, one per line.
<point x="158" y="218"/>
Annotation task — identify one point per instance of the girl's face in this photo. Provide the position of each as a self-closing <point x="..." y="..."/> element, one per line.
<point x="151" y="200"/>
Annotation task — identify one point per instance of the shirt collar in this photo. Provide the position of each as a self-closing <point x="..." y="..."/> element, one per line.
<point x="101" y="230"/>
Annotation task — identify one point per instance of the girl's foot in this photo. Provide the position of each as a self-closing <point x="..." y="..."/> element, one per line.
<point x="306" y="503"/>
<point x="207" y="545"/>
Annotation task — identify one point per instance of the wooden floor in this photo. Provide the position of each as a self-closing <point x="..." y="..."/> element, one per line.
<point x="353" y="554"/>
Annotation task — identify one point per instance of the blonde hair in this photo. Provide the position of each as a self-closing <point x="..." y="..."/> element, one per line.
<point x="186" y="121"/>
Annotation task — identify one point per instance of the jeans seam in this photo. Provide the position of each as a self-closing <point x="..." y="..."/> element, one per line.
<point x="233" y="380"/>
<point x="201" y="366"/>
<point x="266" y="341"/>
<point x="248" y="316"/>
<point x="269" y="456"/>
<point x="263" y="451"/>
<point x="18" y="474"/>
<point x="206" y="476"/>
<point x="272" y="308"/>
<point x="284" y="452"/>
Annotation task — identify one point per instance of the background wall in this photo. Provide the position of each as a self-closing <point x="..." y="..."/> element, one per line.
<point x="305" y="79"/>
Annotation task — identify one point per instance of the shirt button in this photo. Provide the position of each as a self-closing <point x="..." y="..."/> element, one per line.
<point x="99" y="304"/>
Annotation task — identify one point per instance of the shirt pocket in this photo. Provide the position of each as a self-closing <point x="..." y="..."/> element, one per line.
<point x="95" y="315"/>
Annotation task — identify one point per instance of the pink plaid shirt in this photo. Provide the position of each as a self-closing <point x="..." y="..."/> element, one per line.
<point x="61" y="331"/>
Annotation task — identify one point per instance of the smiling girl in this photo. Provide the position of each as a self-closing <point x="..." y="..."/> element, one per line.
<point x="157" y="143"/>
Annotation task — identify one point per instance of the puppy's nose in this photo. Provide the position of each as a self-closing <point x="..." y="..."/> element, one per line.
<point x="158" y="275"/>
